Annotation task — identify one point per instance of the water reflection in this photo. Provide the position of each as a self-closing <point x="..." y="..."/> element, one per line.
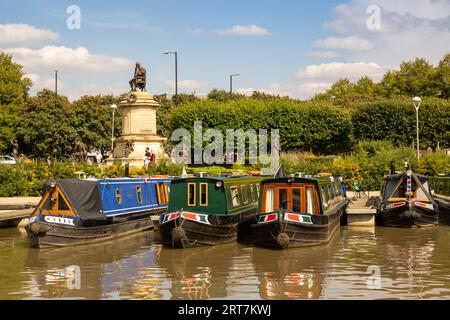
<point x="402" y="263"/>
<point x="295" y="273"/>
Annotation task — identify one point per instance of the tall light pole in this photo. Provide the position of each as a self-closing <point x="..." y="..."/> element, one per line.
<point x="56" y="87"/>
<point x="176" y="70"/>
<point x="231" y="81"/>
<point x="113" y="107"/>
<point x="417" y="101"/>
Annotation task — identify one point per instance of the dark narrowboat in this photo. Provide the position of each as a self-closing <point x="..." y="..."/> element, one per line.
<point x="73" y="211"/>
<point x="208" y="210"/>
<point x="298" y="211"/>
<point x="442" y="196"/>
<point x="406" y="201"/>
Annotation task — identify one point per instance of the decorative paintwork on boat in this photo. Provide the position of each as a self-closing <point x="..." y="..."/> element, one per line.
<point x="406" y="201"/>
<point x="442" y="196"/>
<point x="300" y="211"/>
<point x="74" y="211"/>
<point x="208" y="211"/>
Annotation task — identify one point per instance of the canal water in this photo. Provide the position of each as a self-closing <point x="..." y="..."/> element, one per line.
<point x="382" y="263"/>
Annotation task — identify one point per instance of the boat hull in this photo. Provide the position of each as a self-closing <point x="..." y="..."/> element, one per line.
<point x="185" y="233"/>
<point x="405" y="217"/>
<point x="47" y="235"/>
<point x="444" y="210"/>
<point x="283" y="234"/>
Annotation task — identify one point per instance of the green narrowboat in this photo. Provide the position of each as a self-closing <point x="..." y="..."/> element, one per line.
<point x="208" y="210"/>
<point x="298" y="211"/>
<point x="442" y="196"/>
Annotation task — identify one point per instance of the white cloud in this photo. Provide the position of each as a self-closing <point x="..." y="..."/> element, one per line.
<point x="20" y="34"/>
<point x="330" y="72"/>
<point x="309" y="89"/>
<point x="322" y="54"/>
<point x="96" y="89"/>
<point x="353" y="43"/>
<point x="68" y="59"/>
<point x="186" y="84"/>
<point x="250" y="30"/>
<point x="408" y="29"/>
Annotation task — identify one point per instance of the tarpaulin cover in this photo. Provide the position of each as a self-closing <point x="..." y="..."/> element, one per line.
<point x="84" y="196"/>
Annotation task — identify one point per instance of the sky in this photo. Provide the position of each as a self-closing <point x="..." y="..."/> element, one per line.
<point x="296" y="48"/>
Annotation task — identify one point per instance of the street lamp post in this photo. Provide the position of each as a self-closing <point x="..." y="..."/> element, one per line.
<point x="231" y="82"/>
<point x="417" y="101"/>
<point x="113" y="107"/>
<point x="176" y="70"/>
<point x="56" y="87"/>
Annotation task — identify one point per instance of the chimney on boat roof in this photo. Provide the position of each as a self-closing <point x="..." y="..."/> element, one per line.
<point x="392" y="165"/>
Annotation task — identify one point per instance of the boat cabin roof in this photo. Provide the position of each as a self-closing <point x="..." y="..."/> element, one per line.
<point x="312" y="180"/>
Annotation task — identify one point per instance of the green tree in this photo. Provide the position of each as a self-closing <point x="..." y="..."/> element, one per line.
<point x="47" y="126"/>
<point x="341" y="88"/>
<point x="443" y="76"/>
<point x="365" y="85"/>
<point x="13" y="94"/>
<point x="223" y="96"/>
<point x="93" y="121"/>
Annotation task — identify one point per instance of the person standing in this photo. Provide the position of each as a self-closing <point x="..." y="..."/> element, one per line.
<point x="153" y="157"/>
<point x="147" y="157"/>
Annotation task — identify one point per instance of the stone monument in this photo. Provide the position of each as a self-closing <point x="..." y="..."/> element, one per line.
<point x="138" y="124"/>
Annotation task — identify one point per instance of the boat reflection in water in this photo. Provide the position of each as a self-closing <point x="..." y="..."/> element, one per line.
<point x="203" y="272"/>
<point x="298" y="273"/>
<point x="113" y="270"/>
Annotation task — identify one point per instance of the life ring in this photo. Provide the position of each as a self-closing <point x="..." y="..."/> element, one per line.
<point x="254" y="173"/>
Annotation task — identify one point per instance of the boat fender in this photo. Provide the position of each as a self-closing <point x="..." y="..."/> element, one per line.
<point x="283" y="240"/>
<point x="178" y="234"/>
<point x="36" y="228"/>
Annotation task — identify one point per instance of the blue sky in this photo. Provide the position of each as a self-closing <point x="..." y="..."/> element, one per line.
<point x="287" y="47"/>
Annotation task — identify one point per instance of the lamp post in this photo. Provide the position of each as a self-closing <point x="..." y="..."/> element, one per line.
<point x="113" y="107"/>
<point x="231" y="82"/>
<point x="176" y="70"/>
<point x="56" y="87"/>
<point x="417" y="101"/>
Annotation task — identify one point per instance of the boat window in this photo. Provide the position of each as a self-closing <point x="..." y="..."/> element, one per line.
<point x="203" y="194"/>
<point x="139" y="194"/>
<point x="324" y="196"/>
<point x="310" y="208"/>
<point x="118" y="196"/>
<point x="257" y="188"/>
<point x="296" y="200"/>
<point x="269" y="200"/>
<point x="62" y="205"/>
<point x="252" y="193"/>
<point x="282" y="199"/>
<point x="244" y="194"/>
<point x="235" y="196"/>
<point x="191" y="194"/>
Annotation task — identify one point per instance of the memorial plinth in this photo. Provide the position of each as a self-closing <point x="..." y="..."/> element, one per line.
<point x="138" y="130"/>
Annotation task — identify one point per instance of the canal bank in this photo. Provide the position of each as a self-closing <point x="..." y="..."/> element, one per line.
<point x="386" y="263"/>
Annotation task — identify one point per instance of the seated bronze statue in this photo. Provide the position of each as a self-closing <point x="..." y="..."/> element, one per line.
<point x="140" y="78"/>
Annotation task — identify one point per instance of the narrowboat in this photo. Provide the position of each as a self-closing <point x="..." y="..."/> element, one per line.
<point x="442" y="196"/>
<point x="208" y="210"/>
<point x="298" y="211"/>
<point x="73" y="211"/>
<point x="406" y="201"/>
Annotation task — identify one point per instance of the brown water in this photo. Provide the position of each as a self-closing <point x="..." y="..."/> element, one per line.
<point x="412" y="264"/>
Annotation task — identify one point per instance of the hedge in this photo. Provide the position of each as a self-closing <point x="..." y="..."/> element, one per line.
<point x="314" y="126"/>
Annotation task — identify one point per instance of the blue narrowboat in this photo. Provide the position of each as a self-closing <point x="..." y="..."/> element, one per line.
<point x="73" y="211"/>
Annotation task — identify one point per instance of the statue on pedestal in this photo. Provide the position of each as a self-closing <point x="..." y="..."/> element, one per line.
<point x="139" y="80"/>
<point x="15" y="146"/>
<point x="80" y="152"/>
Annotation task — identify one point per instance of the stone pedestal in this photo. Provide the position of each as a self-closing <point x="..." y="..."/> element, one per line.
<point x="138" y="130"/>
